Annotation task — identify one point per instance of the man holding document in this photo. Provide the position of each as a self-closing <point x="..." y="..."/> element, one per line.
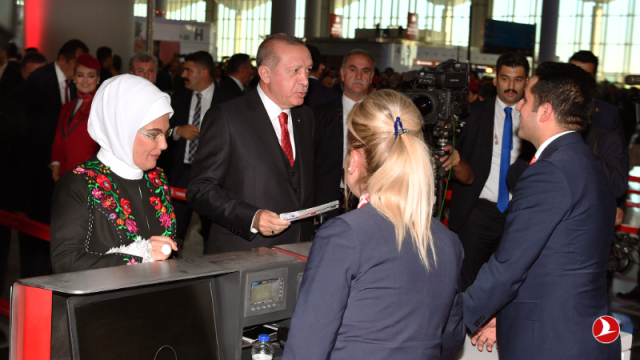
<point x="255" y="156"/>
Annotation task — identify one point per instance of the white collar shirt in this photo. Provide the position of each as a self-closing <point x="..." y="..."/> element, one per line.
<point x="274" y="111"/>
<point x="62" y="83"/>
<point x="491" y="187"/>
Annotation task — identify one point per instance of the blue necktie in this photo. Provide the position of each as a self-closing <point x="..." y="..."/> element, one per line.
<point x="505" y="161"/>
<point x="193" y="145"/>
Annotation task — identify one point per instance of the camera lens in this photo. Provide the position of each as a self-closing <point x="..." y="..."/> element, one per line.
<point x="424" y="104"/>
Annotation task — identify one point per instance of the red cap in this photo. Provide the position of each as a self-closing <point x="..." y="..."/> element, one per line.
<point x="88" y="61"/>
<point x="375" y="80"/>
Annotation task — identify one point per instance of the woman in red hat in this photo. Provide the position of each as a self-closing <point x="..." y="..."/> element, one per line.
<point x="72" y="144"/>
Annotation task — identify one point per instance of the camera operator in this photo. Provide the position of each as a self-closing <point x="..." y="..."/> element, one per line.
<point x="489" y="145"/>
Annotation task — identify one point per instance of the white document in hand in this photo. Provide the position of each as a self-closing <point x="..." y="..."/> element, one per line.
<point x="301" y="214"/>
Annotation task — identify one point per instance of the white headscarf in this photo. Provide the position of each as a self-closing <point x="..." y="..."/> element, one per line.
<point x="123" y="105"/>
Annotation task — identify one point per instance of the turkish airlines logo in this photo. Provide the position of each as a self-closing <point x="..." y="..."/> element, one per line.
<point x="606" y="329"/>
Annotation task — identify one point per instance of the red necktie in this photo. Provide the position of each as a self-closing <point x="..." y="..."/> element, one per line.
<point x="285" y="142"/>
<point x="533" y="159"/>
<point x="66" y="92"/>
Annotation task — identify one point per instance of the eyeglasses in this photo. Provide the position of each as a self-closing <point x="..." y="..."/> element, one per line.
<point x="154" y="136"/>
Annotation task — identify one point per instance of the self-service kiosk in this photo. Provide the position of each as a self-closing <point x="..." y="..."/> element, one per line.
<point x="195" y="308"/>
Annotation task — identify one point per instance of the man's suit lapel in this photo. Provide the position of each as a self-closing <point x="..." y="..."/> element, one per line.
<point x="262" y="128"/>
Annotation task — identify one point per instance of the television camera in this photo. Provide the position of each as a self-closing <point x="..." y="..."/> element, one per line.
<point x="441" y="96"/>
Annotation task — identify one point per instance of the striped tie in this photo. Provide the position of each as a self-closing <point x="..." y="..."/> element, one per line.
<point x="193" y="144"/>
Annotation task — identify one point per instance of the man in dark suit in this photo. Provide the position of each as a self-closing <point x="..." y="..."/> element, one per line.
<point x="31" y="62"/>
<point x="330" y="127"/>
<point x="40" y="98"/>
<point x="605" y="115"/>
<point x="189" y="105"/>
<point x="546" y="281"/>
<point x="10" y="75"/>
<point x="318" y="94"/>
<point x="232" y="85"/>
<point x="105" y="58"/>
<point x="489" y="145"/>
<point x="255" y="158"/>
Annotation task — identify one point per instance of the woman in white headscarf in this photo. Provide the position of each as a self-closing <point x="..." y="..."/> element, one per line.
<point x="115" y="208"/>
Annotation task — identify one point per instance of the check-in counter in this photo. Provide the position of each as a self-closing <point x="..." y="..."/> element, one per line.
<point x="193" y="308"/>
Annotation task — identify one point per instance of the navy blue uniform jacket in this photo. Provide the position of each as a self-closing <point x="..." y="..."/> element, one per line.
<point x="361" y="298"/>
<point x="547" y="280"/>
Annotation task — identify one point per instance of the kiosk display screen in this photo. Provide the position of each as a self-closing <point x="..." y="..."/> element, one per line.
<point x="265" y="291"/>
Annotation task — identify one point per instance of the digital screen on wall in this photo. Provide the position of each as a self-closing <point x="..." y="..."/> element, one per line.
<point x="156" y="322"/>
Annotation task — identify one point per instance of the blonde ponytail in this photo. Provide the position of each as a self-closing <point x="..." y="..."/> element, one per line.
<point x="399" y="171"/>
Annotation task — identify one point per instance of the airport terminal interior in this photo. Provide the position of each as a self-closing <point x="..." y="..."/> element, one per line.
<point x="399" y="36"/>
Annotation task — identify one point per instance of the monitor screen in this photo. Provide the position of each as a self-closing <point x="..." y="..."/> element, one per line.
<point x="264" y="291"/>
<point x="165" y="322"/>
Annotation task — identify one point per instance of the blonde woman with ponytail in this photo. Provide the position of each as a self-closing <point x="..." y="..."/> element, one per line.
<point x="381" y="281"/>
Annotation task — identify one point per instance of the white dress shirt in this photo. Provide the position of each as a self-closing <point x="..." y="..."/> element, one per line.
<point x="549" y="141"/>
<point x="491" y="187"/>
<point x="274" y="111"/>
<point x="62" y="83"/>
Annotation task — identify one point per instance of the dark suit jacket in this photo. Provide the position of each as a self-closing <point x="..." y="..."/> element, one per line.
<point x="547" y="279"/>
<point x="226" y="90"/>
<point x="475" y="145"/>
<point x="11" y="77"/>
<point x="39" y="97"/>
<point x="362" y="298"/>
<point x="328" y="139"/>
<point x="240" y="168"/>
<point x="38" y="100"/>
<point x="318" y="94"/>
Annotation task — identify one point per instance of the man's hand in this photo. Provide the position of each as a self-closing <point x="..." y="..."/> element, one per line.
<point x="619" y="216"/>
<point x="486" y="334"/>
<point x="55" y="172"/>
<point x="446" y="159"/>
<point x="269" y="223"/>
<point x="157" y="242"/>
<point x="188" y="132"/>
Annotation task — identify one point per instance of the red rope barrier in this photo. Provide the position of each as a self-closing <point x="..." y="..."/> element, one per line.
<point x="24" y="225"/>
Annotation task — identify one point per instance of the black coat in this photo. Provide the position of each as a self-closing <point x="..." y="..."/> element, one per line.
<point x="38" y="100"/>
<point x="11" y="77"/>
<point x="226" y="90"/>
<point x="84" y="224"/>
<point x="328" y="139"/>
<point x="240" y="168"/>
<point x="318" y="94"/>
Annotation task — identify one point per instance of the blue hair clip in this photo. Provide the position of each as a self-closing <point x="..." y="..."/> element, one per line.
<point x="401" y="131"/>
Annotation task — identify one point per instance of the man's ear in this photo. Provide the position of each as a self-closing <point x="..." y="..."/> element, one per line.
<point x="545" y="111"/>
<point x="265" y="73"/>
<point x="342" y="74"/>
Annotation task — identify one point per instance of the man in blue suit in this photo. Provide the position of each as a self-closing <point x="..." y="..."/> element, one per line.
<point x="546" y="281"/>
